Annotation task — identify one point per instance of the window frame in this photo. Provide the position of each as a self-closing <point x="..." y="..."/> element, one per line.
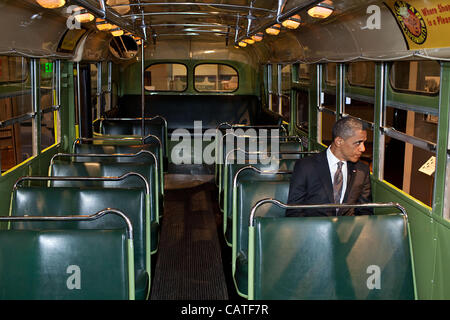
<point x="214" y="63"/>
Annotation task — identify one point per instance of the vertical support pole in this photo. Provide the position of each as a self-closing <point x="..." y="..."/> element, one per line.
<point x="78" y="133"/>
<point x="269" y="85"/>
<point x="319" y="83"/>
<point x="100" y="108"/>
<point x="279" y="89"/>
<point x="340" y="90"/>
<point x="57" y="102"/>
<point x="35" y="100"/>
<point x="110" y="94"/>
<point x="142" y="91"/>
<point x="379" y="114"/>
<point x="440" y="201"/>
<point x="293" y="102"/>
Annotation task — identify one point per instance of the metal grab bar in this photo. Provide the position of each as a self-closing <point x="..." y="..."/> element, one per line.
<point x="69" y="178"/>
<point x="131" y="138"/>
<point x="267" y="152"/>
<point x="94" y="216"/>
<point x="106" y="155"/>
<point x="250" y="167"/>
<point x="323" y="206"/>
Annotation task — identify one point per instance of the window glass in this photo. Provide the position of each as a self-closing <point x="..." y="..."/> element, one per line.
<point x="360" y="109"/>
<point x="422" y="77"/>
<point x="15" y="138"/>
<point x="215" y="78"/>
<point x="330" y="73"/>
<point x="361" y="74"/>
<point x="166" y="77"/>
<point x="328" y="117"/>
<point x="401" y="168"/>
<point x="404" y="160"/>
<point x="286" y="85"/>
<point x="47" y="87"/>
<point x="304" y="71"/>
<point x="412" y="123"/>
<point x="302" y="109"/>
<point x="13" y="69"/>
<point x="94" y="75"/>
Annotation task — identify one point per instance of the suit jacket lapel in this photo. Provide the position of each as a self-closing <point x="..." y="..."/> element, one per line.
<point x="325" y="175"/>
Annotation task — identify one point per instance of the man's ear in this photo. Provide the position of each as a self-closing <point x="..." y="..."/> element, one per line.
<point x="338" y="141"/>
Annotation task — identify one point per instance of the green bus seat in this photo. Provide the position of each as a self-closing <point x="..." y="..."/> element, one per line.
<point x="38" y="201"/>
<point x="347" y="257"/>
<point x="75" y="264"/>
<point x="249" y="191"/>
<point x="128" y="126"/>
<point x="230" y="171"/>
<point x="97" y="169"/>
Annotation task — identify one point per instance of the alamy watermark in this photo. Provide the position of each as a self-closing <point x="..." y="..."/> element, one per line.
<point x="213" y="146"/>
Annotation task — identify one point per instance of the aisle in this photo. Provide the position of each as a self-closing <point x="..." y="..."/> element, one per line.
<point x="189" y="264"/>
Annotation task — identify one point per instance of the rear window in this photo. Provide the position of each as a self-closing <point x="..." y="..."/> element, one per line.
<point x="215" y="78"/>
<point x="166" y="77"/>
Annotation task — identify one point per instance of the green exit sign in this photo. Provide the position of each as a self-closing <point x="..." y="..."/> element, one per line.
<point x="47" y="67"/>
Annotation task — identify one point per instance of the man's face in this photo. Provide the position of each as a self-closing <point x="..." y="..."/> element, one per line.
<point x="352" y="148"/>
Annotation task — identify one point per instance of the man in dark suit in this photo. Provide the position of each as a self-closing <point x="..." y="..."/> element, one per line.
<point x="333" y="176"/>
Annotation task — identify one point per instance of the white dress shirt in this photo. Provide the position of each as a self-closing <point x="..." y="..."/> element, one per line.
<point x="332" y="164"/>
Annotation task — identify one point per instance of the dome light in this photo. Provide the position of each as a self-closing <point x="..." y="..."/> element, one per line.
<point x="102" y="25"/>
<point x="117" y="32"/>
<point x="82" y="15"/>
<point x="321" y="11"/>
<point x="292" y="22"/>
<point x="274" y="30"/>
<point x="258" y="37"/>
<point x="249" y="41"/>
<point x="242" y="44"/>
<point x="51" y="4"/>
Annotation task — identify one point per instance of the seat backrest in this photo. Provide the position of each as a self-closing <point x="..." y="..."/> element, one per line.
<point x="38" y="201"/>
<point x="115" y="149"/>
<point x="231" y="169"/>
<point x="348" y="257"/>
<point x="96" y="169"/>
<point x="64" y="264"/>
<point x="249" y="191"/>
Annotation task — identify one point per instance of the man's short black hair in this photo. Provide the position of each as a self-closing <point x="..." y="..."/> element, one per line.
<point x="346" y="127"/>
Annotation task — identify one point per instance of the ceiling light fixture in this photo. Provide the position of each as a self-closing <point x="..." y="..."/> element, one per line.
<point x="258" y="37"/>
<point x="274" y="30"/>
<point x="249" y="41"/>
<point x="117" y="32"/>
<point x="242" y="44"/>
<point x="292" y="22"/>
<point x="102" y="25"/>
<point x="51" y="4"/>
<point x="321" y="11"/>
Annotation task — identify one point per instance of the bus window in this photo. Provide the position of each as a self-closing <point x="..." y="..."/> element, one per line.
<point x="274" y="89"/>
<point x="215" y="78"/>
<point x="304" y="73"/>
<point x="330" y="74"/>
<point x="403" y="160"/>
<point x="302" y="109"/>
<point x="365" y="112"/>
<point x="361" y="74"/>
<point x="47" y="87"/>
<point x="420" y="77"/>
<point x="328" y="115"/>
<point x="166" y="77"/>
<point x="286" y="93"/>
<point x="15" y="112"/>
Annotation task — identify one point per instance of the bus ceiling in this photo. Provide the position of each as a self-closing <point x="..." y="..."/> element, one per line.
<point x="353" y="30"/>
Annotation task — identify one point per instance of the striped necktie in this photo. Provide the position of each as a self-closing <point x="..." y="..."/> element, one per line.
<point x="337" y="184"/>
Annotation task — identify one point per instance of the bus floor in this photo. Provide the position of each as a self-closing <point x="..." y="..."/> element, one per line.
<point x="192" y="262"/>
